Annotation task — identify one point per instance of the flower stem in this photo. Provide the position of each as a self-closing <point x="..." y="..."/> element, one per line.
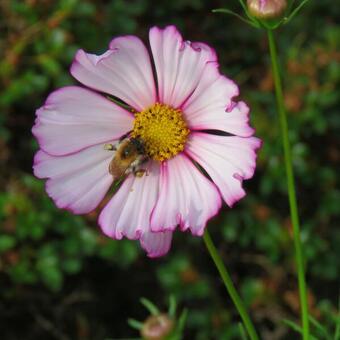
<point x="291" y="185"/>
<point x="230" y="286"/>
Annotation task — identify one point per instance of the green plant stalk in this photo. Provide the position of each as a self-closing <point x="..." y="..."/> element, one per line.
<point x="291" y="186"/>
<point x="230" y="286"/>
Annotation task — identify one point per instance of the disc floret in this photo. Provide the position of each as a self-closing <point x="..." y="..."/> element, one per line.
<point x="163" y="131"/>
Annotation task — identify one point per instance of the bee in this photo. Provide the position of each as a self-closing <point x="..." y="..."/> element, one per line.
<point x="130" y="154"/>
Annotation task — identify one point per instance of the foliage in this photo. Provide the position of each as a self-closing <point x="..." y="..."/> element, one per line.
<point x="56" y="268"/>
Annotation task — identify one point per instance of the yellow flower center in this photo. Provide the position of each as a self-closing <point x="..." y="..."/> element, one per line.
<point x="162" y="129"/>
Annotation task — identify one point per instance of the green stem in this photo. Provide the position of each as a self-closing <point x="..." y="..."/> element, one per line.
<point x="291" y="185"/>
<point x="230" y="286"/>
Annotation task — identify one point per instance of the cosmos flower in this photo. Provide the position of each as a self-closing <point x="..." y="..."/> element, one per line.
<point x="196" y="141"/>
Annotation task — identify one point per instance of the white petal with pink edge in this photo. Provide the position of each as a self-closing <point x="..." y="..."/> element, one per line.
<point x="179" y="64"/>
<point x="77" y="182"/>
<point x="123" y="71"/>
<point x="227" y="159"/>
<point x="128" y="212"/>
<point x="186" y="197"/>
<point x="156" y="244"/>
<point x="74" y="118"/>
<point x="211" y="107"/>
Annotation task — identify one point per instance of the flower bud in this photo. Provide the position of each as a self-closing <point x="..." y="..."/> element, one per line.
<point x="267" y="9"/>
<point x="157" y="327"/>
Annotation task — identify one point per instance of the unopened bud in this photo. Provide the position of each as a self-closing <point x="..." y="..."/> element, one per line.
<point x="267" y="9"/>
<point x="157" y="327"/>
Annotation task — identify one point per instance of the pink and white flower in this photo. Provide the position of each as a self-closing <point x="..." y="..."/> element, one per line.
<point x="186" y="114"/>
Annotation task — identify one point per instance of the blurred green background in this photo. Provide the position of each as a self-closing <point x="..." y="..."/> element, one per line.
<point x="61" y="279"/>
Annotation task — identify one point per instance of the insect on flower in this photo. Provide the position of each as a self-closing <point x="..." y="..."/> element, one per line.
<point x="130" y="154"/>
<point x="157" y="146"/>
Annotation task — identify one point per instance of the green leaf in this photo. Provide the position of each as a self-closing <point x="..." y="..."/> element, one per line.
<point x="295" y="12"/>
<point x="135" y="324"/>
<point x="292" y="325"/>
<point x="172" y="306"/>
<point x="337" y="327"/>
<point x="149" y="306"/>
<point x="242" y="331"/>
<point x="296" y="328"/>
<point x="6" y="242"/>
<point x="182" y="320"/>
<point x="227" y="11"/>
<point x="244" y="6"/>
<point x="71" y="266"/>
<point x="321" y="328"/>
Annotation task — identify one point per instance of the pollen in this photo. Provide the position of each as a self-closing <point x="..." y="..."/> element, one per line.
<point x="163" y="131"/>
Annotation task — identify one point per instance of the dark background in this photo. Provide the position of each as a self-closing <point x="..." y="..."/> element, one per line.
<point x="61" y="279"/>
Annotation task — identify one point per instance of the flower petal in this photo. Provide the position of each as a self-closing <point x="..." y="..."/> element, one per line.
<point x="123" y="71"/>
<point x="227" y="159"/>
<point x="77" y="182"/>
<point x="211" y="107"/>
<point x="74" y="118"/>
<point x="156" y="244"/>
<point x="186" y="197"/>
<point x="179" y="64"/>
<point x="128" y="212"/>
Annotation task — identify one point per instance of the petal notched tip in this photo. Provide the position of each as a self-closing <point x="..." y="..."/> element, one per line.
<point x="171" y="30"/>
<point x="227" y="159"/>
<point x="123" y="71"/>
